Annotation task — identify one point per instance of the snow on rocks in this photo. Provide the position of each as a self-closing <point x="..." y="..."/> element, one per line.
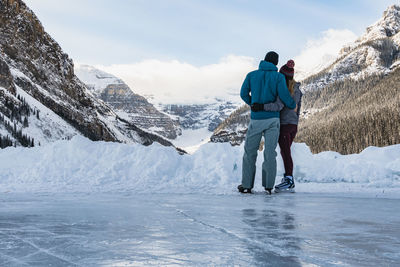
<point x="80" y="165"/>
<point x="363" y="57"/>
<point x="50" y="127"/>
<point x="95" y="79"/>
<point x="387" y="26"/>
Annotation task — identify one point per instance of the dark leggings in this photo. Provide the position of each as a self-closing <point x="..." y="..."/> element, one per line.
<point x="286" y="137"/>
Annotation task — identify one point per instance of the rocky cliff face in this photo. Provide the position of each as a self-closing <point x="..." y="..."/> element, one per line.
<point x="234" y="128"/>
<point x="128" y="105"/>
<point x="6" y="80"/>
<point x="35" y="74"/>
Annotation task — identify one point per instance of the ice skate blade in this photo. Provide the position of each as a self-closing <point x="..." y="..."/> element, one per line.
<point x="288" y="190"/>
<point x="243" y="190"/>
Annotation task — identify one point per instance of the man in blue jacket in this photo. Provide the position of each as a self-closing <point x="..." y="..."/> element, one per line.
<point x="260" y="87"/>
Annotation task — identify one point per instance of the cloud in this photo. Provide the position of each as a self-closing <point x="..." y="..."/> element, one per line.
<point x="175" y="82"/>
<point x="321" y="52"/>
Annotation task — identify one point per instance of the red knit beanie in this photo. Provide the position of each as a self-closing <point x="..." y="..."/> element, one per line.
<point x="288" y="69"/>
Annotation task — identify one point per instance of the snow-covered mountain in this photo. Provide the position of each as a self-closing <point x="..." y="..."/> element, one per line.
<point x="128" y="105"/>
<point x="353" y="103"/>
<point x="377" y="51"/>
<point x="95" y="79"/>
<point x="387" y="26"/>
<point x="196" y="116"/>
<point x="41" y="98"/>
<point x="198" y="121"/>
<point x="169" y="120"/>
<point x="234" y="128"/>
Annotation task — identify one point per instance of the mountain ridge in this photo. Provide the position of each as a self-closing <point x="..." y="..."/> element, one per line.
<point x="127" y="104"/>
<point x="32" y="63"/>
<point x="376" y="51"/>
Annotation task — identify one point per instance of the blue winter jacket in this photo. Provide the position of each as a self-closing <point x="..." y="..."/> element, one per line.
<point x="263" y="86"/>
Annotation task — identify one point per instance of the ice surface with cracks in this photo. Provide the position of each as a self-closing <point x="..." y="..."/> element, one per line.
<point x="197" y="230"/>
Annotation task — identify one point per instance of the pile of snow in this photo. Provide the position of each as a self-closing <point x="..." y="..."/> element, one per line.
<point x="191" y="140"/>
<point x="80" y="165"/>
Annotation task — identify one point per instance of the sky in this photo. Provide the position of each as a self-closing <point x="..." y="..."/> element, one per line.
<point x="137" y="38"/>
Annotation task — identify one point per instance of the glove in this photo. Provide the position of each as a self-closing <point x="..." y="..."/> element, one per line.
<point x="257" y="107"/>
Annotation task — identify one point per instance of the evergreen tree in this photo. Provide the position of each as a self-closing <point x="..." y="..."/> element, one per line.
<point x="26" y="123"/>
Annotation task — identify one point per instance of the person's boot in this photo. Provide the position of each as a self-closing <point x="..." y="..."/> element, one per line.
<point x="244" y="190"/>
<point x="287" y="185"/>
<point x="268" y="190"/>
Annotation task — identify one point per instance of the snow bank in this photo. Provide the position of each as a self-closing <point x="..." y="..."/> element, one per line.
<point x="80" y="165"/>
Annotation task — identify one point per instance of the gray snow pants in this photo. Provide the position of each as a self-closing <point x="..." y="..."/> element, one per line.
<point x="268" y="128"/>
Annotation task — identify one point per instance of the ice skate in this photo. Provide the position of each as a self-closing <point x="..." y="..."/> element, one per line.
<point x="286" y="186"/>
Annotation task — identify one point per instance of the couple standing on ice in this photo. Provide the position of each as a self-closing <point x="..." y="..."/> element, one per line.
<point x="275" y="100"/>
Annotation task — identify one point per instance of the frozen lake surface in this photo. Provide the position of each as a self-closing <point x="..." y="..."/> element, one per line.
<point x="198" y="230"/>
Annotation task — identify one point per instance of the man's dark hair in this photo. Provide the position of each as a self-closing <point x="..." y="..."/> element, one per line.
<point x="272" y="57"/>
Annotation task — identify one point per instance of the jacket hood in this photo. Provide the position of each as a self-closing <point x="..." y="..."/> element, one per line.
<point x="268" y="66"/>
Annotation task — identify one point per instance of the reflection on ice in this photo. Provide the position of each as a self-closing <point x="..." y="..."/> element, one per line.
<point x="274" y="245"/>
<point x="198" y="230"/>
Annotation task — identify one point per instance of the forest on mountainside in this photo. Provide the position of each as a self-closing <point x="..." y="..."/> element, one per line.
<point x="14" y="114"/>
<point x="351" y="115"/>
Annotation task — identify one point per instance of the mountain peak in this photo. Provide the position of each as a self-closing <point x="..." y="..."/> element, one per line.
<point x="392" y="10"/>
<point x="95" y="79"/>
<point x="387" y="26"/>
<point x="391" y="20"/>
